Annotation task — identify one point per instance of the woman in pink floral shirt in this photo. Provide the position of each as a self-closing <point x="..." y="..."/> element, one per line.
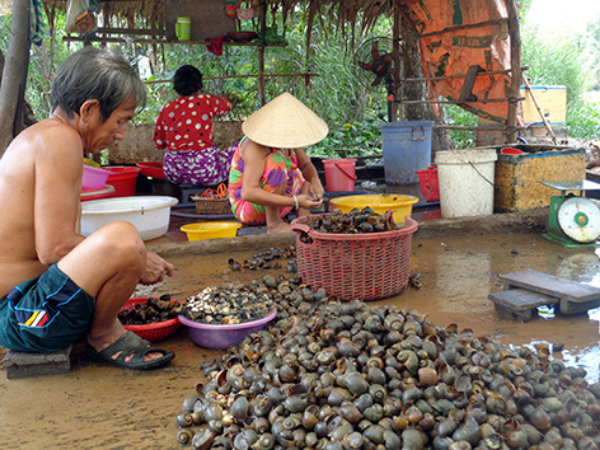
<point x="184" y="129"/>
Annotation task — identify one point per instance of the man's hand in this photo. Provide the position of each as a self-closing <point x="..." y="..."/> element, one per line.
<point x="156" y="267"/>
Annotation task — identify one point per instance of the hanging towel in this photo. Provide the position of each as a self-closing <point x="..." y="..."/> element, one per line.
<point x="37" y="24"/>
<point x="215" y="45"/>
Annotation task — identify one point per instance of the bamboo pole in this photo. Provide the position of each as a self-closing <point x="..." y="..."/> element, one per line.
<point x="463" y="27"/>
<point x="537" y="105"/>
<point x="456" y="102"/>
<point x="450" y="77"/>
<point x="224" y="77"/>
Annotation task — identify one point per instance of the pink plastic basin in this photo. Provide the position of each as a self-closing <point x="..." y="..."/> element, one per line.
<point x="223" y="336"/>
<point x="94" y="177"/>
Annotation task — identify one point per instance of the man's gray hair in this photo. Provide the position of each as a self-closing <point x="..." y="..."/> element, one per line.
<point x="102" y="75"/>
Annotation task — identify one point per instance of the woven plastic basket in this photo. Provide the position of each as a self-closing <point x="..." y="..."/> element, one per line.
<point x="366" y="266"/>
<point x="212" y="205"/>
<point x="152" y="332"/>
<point x="430" y="187"/>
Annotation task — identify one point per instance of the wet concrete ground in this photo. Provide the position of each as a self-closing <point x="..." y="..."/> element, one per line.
<point x="98" y="406"/>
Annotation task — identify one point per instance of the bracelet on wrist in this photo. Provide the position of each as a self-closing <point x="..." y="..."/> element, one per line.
<point x="296" y="201"/>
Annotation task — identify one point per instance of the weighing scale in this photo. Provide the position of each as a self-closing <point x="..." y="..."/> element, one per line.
<point x="574" y="221"/>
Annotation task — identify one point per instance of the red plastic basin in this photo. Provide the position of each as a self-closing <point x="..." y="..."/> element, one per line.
<point x="152" y="169"/>
<point x="124" y="180"/>
<point x="97" y="194"/>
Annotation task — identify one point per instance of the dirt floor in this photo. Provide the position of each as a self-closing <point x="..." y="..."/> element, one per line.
<point x="97" y="406"/>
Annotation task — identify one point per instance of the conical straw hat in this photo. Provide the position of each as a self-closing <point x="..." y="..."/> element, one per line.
<point x="285" y="122"/>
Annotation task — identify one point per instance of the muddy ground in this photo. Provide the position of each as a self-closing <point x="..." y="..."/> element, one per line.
<point x="97" y="406"/>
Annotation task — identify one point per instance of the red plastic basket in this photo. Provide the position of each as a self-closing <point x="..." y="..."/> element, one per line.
<point x="367" y="266"/>
<point x="152" y="332"/>
<point x="430" y="186"/>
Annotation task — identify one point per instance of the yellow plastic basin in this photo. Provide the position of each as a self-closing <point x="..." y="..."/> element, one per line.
<point x="381" y="203"/>
<point x="210" y="230"/>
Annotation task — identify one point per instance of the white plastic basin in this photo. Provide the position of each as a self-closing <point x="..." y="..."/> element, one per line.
<point x="149" y="214"/>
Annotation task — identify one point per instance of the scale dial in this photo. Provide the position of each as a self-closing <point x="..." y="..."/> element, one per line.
<point x="579" y="219"/>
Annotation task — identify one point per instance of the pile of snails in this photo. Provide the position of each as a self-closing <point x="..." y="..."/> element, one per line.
<point x="153" y="310"/>
<point x="357" y="221"/>
<point x="343" y="376"/>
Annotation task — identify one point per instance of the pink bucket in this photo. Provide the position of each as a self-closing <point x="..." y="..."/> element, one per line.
<point x="340" y="174"/>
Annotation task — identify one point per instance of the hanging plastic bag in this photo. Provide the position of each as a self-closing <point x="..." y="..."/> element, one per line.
<point x="79" y="17"/>
<point x="244" y="12"/>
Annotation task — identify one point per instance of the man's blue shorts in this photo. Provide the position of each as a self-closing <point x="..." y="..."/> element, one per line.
<point x="45" y="314"/>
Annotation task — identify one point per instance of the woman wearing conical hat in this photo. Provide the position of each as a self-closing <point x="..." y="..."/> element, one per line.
<point x="270" y="173"/>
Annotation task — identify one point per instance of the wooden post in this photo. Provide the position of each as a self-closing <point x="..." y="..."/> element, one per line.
<point x="15" y="71"/>
<point x="261" y="54"/>
<point x="515" y="63"/>
<point x="261" y="75"/>
<point x="397" y="64"/>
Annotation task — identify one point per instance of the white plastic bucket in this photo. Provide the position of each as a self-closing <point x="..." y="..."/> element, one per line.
<point x="466" y="179"/>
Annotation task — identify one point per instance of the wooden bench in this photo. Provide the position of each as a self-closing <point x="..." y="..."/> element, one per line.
<point x="525" y="291"/>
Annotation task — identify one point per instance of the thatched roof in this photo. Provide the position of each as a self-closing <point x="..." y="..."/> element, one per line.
<point x="153" y="11"/>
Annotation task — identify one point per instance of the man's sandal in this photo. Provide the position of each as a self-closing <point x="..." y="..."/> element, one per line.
<point x="130" y="344"/>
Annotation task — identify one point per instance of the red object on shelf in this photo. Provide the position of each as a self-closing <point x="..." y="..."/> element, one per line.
<point x="511" y="151"/>
<point x="367" y="266"/>
<point x="152" y="169"/>
<point x="152" y="332"/>
<point x="430" y="186"/>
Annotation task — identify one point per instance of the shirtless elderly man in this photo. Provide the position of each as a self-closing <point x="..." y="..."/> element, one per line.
<point x="57" y="286"/>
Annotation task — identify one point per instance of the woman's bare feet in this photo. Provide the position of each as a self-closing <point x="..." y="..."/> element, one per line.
<point x="279" y="227"/>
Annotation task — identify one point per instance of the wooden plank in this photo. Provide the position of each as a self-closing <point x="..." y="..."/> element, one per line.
<point x="466" y="93"/>
<point x="543" y="283"/>
<point x="520" y="304"/>
<point x="569" y="307"/>
<point x="522" y="299"/>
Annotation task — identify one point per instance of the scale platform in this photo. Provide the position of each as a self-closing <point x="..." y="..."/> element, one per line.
<point x="574" y="220"/>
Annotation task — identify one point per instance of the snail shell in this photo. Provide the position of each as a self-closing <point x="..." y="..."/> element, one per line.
<point x="185" y="437"/>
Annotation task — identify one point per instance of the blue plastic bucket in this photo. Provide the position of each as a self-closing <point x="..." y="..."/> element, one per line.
<point x="406" y="149"/>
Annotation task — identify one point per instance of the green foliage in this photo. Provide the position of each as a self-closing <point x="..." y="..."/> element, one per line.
<point x="458" y="116"/>
<point x="563" y="60"/>
<point x="353" y="139"/>
<point x="584" y="119"/>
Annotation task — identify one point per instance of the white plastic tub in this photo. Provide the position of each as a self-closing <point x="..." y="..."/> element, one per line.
<point x="149" y="214"/>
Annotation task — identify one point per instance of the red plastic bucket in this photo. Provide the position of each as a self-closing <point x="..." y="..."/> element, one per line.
<point x="340" y="174"/>
<point x="124" y="180"/>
